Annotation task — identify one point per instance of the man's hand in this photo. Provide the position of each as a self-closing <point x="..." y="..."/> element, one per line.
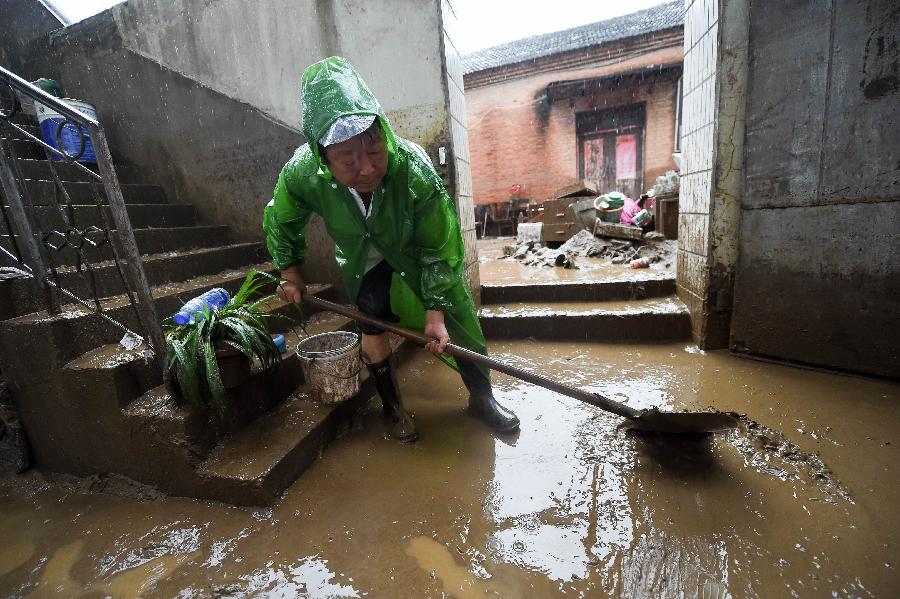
<point x="434" y="328"/>
<point x="292" y="287"/>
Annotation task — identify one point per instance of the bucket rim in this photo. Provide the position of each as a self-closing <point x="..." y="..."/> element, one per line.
<point x="353" y="341"/>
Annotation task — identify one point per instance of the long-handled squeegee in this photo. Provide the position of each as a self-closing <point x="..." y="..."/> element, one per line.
<point x="651" y="420"/>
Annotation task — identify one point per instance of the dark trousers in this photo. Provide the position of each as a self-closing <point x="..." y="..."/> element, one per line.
<point x="374" y="299"/>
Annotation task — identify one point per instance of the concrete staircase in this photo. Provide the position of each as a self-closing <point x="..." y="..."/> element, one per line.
<point x="640" y="306"/>
<point x="90" y="406"/>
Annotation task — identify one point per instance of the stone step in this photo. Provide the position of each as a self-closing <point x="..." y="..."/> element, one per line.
<point x="142" y="216"/>
<point x="46" y="193"/>
<point x="639" y="284"/>
<point x="74" y="413"/>
<point x="22" y="296"/>
<point x="40" y="170"/>
<point x="653" y="320"/>
<point x="149" y="241"/>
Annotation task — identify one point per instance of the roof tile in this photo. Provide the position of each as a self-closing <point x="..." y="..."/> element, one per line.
<point x="656" y="18"/>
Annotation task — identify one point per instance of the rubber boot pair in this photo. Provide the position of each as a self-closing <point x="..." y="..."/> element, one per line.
<point x="403" y="428"/>
<point x="482" y="404"/>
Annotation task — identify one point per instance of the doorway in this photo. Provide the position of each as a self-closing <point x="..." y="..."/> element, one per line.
<point x="611" y="148"/>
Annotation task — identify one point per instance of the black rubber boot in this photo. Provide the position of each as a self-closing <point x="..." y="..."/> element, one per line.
<point x="482" y="404"/>
<point x="403" y="428"/>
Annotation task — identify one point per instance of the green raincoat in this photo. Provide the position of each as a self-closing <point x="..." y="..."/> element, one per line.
<point x="413" y="224"/>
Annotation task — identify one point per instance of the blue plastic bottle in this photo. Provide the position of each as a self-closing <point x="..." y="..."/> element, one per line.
<point x="214" y="298"/>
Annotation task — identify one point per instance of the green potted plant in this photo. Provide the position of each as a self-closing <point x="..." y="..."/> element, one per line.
<point x="214" y="351"/>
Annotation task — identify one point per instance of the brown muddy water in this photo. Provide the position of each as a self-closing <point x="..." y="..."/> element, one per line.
<point x="800" y="503"/>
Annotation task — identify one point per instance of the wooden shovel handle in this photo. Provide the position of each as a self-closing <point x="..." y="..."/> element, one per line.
<point x="462" y="353"/>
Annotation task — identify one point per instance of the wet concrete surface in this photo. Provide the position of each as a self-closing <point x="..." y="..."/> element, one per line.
<point x="505" y="271"/>
<point x="800" y="502"/>
<point x="494" y="269"/>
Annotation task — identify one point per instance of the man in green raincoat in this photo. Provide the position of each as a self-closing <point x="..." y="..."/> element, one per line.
<point x="397" y="239"/>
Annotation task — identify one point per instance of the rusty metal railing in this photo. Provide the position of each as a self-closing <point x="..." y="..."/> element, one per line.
<point x="33" y="243"/>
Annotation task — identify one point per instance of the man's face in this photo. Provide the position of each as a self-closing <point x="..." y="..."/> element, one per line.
<point x="361" y="161"/>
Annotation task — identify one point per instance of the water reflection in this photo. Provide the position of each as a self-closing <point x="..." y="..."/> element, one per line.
<point x="310" y="577"/>
<point x="558" y="508"/>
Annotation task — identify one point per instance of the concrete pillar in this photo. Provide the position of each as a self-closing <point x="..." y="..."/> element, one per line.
<point x="457" y="154"/>
<point x="714" y="93"/>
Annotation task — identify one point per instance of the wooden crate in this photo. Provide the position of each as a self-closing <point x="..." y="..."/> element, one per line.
<point x="667" y="215"/>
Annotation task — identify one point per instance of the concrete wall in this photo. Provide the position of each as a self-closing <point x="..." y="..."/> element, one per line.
<point x="819" y="272"/>
<point x="203" y="97"/>
<point x="712" y="132"/>
<point x="25" y="26"/>
<point x="255" y="51"/>
<point x="516" y="136"/>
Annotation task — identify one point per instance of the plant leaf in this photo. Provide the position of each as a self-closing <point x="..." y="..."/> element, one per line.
<point x="213" y="378"/>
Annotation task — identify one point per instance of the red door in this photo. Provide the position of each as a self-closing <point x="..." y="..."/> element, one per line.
<point x="610" y="147"/>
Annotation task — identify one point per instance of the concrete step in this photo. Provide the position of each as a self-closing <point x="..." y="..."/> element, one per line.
<point x="40" y="170"/>
<point x="251" y="458"/>
<point x="106" y="411"/>
<point x="656" y="319"/>
<point x="45" y="193"/>
<point x="25" y="148"/>
<point x="149" y="241"/>
<point x="7" y="132"/>
<point x="242" y="470"/>
<point x="22" y="296"/>
<point x="639" y="284"/>
<point x="253" y="466"/>
<point x="112" y="368"/>
<point x="142" y="216"/>
<point x="77" y="329"/>
<point x="189" y="434"/>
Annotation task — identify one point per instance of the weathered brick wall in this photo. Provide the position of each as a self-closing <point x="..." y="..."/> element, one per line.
<point x="516" y="136"/>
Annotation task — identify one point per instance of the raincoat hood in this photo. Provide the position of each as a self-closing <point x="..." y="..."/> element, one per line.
<point x="330" y="89"/>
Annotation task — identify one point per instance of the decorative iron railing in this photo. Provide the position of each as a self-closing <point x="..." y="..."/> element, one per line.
<point x="34" y="244"/>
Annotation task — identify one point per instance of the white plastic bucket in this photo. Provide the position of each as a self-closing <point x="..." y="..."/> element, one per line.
<point x="70" y="138"/>
<point x="331" y="365"/>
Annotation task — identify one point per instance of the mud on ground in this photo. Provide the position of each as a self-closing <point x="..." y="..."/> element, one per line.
<point x="800" y="502"/>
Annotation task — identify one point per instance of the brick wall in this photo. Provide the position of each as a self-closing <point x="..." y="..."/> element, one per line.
<point x="517" y="136"/>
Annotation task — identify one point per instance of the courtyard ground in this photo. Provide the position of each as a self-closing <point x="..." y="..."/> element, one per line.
<point x="801" y="504"/>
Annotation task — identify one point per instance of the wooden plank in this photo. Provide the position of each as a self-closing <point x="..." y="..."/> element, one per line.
<point x="603" y="229"/>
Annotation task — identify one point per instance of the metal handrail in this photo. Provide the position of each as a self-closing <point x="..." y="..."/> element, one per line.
<point x="134" y="277"/>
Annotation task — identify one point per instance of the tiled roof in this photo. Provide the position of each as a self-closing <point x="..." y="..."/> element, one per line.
<point x="656" y="18"/>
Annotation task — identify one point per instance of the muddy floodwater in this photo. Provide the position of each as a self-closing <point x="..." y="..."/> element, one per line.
<point x="801" y="502"/>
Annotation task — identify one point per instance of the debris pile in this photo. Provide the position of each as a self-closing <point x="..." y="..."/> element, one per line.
<point x="534" y="254"/>
<point x="668" y="183"/>
<point x="584" y="245"/>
